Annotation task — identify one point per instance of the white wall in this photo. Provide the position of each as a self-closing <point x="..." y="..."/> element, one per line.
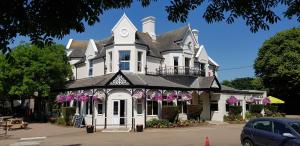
<point x="98" y="68"/>
<point x="82" y="71"/>
<point x="152" y="64"/>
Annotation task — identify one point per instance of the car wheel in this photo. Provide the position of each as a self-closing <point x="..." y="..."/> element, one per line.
<point x="248" y="142"/>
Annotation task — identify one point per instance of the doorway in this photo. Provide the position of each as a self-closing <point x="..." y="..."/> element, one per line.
<point x="119" y="112"/>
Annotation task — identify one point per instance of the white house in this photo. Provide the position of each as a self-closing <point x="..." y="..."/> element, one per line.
<point x="135" y="73"/>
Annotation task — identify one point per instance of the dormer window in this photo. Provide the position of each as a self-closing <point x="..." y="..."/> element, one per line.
<point x="91" y="65"/>
<point x="124" y="60"/>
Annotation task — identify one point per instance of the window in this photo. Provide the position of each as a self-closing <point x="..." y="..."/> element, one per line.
<point x="175" y="65"/>
<point x="139" y="61"/>
<point x="280" y="128"/>
<point x="165" y="102"/>
<point x="91" y="105"/>
<point x="91" y="65"/>
<point x="87" y="108"/>
<point x="100" y="107"/>
<point x="214" y="106"/>
<point x="295" y="126"/>
<point x="152" y="107"/>
<point x="79" y="107"/>
<point x="263" y="125"/>
<point x="139" y="106"/>
<point x="116" y="108"/>
<point x="182" y="105"/>
<point x="124" y="60"/>
<point x="110" y="61"/>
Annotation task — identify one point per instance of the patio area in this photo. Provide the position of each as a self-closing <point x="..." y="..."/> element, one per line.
<point x="69" y="136"/>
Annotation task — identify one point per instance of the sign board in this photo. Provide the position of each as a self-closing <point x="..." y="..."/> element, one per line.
<point x="78" y="119"/>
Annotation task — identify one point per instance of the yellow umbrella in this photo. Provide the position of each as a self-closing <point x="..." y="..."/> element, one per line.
<point x="275" y="100"/>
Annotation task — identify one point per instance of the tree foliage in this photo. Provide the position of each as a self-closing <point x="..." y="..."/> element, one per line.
<point x="34" y="69"/>
<point x="278" y="64"/>
<point x="246" y="83"/>
<point x="43" y="20"/>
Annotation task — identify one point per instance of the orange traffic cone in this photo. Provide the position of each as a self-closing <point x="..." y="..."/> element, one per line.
<point x="206" y="141"/>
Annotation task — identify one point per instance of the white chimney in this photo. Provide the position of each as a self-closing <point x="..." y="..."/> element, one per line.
<point x="196" y="34"/>
<point x="148" y="26"/>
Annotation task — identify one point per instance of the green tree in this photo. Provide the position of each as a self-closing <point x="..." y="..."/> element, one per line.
<point x="41" y="20"/>
<point x="278" y="64"/>
<point x="246" y="83"/>
<point x="38" y="70"/>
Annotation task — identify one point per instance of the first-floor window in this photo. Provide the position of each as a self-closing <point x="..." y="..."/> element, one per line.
<point x="182" y="105"/>
<point x="214" y="106"/>
<point x="86" y="108"/>
<point x="152" y="107"/>
<point x="139" y="106"/>
<point x="100" y="107"/>
<point x="166" y="103"/>
<point x="79" y="106"/>
<point x="91" y="106"/>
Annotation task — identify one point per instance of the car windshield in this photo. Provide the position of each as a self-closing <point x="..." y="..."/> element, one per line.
<point x="295" y="125"/>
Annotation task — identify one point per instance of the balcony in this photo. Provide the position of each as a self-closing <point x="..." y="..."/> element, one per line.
<point x="180" y="70"/>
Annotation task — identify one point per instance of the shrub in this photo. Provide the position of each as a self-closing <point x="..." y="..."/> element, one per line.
<point x="156" y="123"/>
<point x="256" y="108"/>
<point x="170" y="113"/>
<point x="61" y="121"/>
<point x="248" y="115"/>
<point x="194" y="112"/>
<point x="67" y="114"/>
<point x="235" y="110"/>
<point x="233" y="118"/>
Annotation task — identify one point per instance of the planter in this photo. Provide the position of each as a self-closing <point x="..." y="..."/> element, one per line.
<point x="139" y="128"/>
<point x="90" y="129"/>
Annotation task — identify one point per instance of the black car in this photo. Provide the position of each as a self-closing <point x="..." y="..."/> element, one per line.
<point x="271" y="132"/>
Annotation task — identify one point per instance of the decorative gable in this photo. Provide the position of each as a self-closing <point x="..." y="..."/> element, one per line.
<point x="119" y="79"/>
<point x="124" y="31"/>
<point x="202" y="55"/>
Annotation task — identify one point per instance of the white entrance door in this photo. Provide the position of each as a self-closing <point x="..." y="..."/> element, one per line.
<point x="119" y="112"/>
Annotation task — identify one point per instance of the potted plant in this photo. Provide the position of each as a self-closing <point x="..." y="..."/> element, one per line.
<point x="90" y="129"/>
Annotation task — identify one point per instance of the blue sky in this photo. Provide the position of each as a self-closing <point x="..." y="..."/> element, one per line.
<point x="230" y="45"/>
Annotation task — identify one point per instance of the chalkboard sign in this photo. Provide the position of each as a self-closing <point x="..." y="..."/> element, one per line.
<point x="78" y="119"/>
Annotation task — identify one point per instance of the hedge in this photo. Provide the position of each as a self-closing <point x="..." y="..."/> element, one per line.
<point x="67" y="114"/>
<point x="256" y="108"/>
<point x="194" y="111"/>
<point x="170" y="113"/>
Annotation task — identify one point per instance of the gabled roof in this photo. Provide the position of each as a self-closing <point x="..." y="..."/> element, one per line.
<point x="121" y="19"/>
<point x="100" y="44"/>
<point x="165" y="42"/>
<point x="145" y="39"/>
<point x="78" y="48"/>
<point x="168" y="41"/>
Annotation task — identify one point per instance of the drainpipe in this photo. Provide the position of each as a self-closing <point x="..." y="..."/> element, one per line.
<point x="132" y="110"/>
<point x="145" y="112"/>
<point x="209" y="98"/>
<point x="105" y="116"/>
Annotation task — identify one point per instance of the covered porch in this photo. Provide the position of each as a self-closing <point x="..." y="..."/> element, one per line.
<point x="124" y="100"/>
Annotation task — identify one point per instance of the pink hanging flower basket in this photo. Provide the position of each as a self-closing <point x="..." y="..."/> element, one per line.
<point x="83" y="97"/>
<point x="232" y="100"/>
<point x="185" y="96"/>
<point x="60" y="98"/>
<point x="70" y="97"/>
<point x="157" y="96"/>
<point x="171" y="96"/>
<point x="266" y="101"/>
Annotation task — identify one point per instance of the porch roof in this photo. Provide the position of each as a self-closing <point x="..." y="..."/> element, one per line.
<point x="134" y="80"/>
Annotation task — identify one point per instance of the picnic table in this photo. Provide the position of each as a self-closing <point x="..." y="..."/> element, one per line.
<point x="6" y="125"/>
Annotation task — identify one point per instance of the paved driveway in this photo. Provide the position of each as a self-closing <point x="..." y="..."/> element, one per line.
<point x="219" y="135"/>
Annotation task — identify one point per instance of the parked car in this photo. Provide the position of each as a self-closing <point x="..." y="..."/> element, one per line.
<point x="271" y="132"/>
